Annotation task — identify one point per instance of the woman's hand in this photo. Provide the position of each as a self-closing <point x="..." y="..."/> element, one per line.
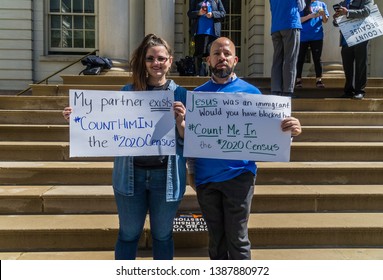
<point x="179" y="114"/>
<point x="66" y="113"/>
<point x="293" y="125"/>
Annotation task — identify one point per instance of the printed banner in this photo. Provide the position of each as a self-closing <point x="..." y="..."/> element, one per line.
<point x="189" y="222"/>
<point x="121" y="123"/>
<point x="237" y="126"/>
<point x="358" y="30"/>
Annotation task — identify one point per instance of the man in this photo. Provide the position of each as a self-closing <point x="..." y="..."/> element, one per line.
<point x="285" y="33"/>
<point x="225" y="187"/>
<point x="354" y="58"/>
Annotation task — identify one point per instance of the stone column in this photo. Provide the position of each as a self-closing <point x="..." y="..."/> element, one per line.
<point x="268" y="48"/>
<point x="376" y="54"/>
<point x="121" y="27"/>
<point x="331" y="57"/>
<point x="113" y="29"/>
<point x="160" y="19"/>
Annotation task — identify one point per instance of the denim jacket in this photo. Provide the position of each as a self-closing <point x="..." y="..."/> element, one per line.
<point x="123" y="171"/>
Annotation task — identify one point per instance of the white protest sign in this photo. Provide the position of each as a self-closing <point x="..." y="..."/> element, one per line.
<point x="358" y="30"/>
<point x="121" y="123"/>
<point x="237" y="126"/>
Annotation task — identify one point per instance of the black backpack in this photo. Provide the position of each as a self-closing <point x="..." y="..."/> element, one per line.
<point x="186" y="66"/>
<point x="95" y="64"/>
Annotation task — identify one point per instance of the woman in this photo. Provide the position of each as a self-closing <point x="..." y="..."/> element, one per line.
<point x="205" y="25"/>
<point x="150" y="183"/>
<point x="314" y="14"/>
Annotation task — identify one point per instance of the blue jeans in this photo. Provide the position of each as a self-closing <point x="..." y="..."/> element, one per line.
<point x="149" y="195"/>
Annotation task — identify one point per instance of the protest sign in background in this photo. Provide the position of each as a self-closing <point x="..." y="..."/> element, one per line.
<point x="121" y="123"/>
<point x="237" y="126"/>
<point x="358" y="30"/>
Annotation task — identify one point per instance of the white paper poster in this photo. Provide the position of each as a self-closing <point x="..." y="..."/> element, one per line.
<point x="359" y="30"/>
<point x="121" y="123"/>
<point x="237" y="126"/>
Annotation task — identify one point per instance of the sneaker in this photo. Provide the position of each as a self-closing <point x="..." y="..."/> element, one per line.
<point x="320" y="84"/>
<point x="298" y="84"/>
<point x="358" y="96"/>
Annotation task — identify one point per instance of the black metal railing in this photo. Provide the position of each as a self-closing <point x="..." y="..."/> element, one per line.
<point x="57" y="72"/>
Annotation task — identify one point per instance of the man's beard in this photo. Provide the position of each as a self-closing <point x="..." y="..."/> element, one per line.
<point x="221" y="73"/>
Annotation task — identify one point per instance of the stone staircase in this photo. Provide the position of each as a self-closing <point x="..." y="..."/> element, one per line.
<point x="327" y="203"/>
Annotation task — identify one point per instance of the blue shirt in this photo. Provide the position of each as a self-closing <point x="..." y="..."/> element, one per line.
<point x="312" y="29"/>
<point x="284" y="15"/>
<point x="205" y="24"/>
<point x="219" y="170"/>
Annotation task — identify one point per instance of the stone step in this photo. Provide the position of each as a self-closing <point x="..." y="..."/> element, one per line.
<point x="299" y="104"/>
<point x="63" y="90"/>
<point x="269" y="173"/>
<point x="329" y="92"/>
<point x="337" y="105"/>
<point x="51" y="199"/>
<point x="99" y="232"/>
<point x="340" y="134"/>
<point x="35" y="132"/>
<point x="337" y="82"/>
<point x="33" y="102"/>
<point x="125" y="79"/>
<point x="306" y="118"/>
<point x="32" y="117"/>
<point x="339" y="118"/>
<point x="13" y="132"/>
<point x="202" y="254"/>
<point x="336" y="151"/>
<point x="300" y="151"/>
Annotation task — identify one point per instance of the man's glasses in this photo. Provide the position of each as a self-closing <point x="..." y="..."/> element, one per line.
<point x="160" y="59"/>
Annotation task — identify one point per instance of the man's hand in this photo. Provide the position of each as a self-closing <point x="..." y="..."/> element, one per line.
<point x="293" y="125"/>
<point x="340" y="12"/>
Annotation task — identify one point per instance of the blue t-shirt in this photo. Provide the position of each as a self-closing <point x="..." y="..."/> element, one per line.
<point x="284" y="15"/>
<point x="219" y="170"/>
<point x="312" y="29"/>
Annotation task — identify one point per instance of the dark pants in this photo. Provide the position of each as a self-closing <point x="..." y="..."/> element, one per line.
<point x="354" y="60"/>
<point x="202" y="50"/>
<point x="316" y="52"/>
<point x="226" y="208"/>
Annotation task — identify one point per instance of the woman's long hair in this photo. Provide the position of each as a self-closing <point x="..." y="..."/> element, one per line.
<point x="137" y="62"/>
<point x="307" y="9"/>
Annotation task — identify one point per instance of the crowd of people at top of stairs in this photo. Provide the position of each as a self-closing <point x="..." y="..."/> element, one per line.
<point x="292" y="36"/>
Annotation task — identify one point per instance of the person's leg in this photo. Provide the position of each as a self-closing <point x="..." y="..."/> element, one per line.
<point x="162" y="215"/>
<point x="131" y="214"/>
<point x="301" y="60"/>
<point x="361" y="68"/>
<point x="276" y="69"/>
<point x="291" y="38"/>
<point x="316" y="52"/>
<point x="199" y="44"/>
<point x="210" y="201"/>
<point x="348" y="68"/>
<point x="237" y="197"/>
